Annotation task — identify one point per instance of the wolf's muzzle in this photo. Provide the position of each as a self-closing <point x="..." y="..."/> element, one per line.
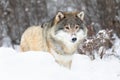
<point x="74" y="39"/>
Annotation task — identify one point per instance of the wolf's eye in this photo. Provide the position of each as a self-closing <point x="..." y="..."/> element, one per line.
<point x="76" y="27"/>
<point x="67" y="28"/>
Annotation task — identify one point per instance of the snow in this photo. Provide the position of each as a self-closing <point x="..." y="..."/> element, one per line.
<point x="33" y="65"/>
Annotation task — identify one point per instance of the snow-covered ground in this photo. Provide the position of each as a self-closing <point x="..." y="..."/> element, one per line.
<point x="41" y="66"/>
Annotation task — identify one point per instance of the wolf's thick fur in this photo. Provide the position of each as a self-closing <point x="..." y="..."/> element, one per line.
<point x="60" y="36"/>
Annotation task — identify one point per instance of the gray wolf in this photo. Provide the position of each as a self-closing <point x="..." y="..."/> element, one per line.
<point x="60" y="36"/>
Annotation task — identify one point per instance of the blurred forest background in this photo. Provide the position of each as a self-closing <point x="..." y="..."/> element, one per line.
<point x="17" y="15"/>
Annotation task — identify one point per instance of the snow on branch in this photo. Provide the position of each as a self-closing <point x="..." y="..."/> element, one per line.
<point x="97" y="44"/>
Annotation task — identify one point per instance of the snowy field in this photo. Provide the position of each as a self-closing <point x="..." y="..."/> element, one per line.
<point x="41" y="66"/>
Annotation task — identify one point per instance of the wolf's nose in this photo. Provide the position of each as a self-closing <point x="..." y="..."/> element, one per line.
<point x="74" y="39"/>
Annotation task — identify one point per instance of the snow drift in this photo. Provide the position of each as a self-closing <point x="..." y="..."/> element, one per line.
<point x="41" y="66"/>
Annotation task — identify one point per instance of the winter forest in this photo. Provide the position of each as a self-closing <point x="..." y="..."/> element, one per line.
<point x="102" y="19"/>
<point x="17" y="15"/>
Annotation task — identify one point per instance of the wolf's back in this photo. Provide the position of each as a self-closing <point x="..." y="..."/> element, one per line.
<point x="32" y="39"/>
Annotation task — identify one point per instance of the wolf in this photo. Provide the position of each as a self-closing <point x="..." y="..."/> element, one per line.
<point x="60" y="36"/>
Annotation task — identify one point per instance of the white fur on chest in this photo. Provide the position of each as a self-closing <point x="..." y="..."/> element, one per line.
<point x="60" y="57"/>
<point x="64" y="60"/>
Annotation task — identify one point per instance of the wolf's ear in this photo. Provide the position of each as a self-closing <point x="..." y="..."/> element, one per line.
<point x="81" y="15"/>
<point x="59" y="16"/>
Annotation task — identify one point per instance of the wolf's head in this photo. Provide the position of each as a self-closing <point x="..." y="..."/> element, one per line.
<point x="66" y="31"/>
<point x="69" y="27"/>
